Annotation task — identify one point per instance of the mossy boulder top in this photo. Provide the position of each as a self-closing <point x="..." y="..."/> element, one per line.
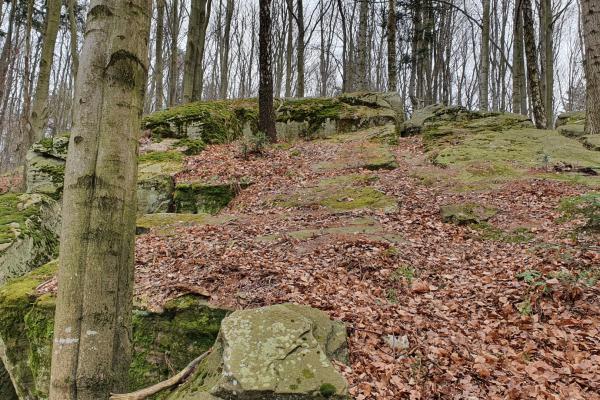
<point x="278" y="352"/>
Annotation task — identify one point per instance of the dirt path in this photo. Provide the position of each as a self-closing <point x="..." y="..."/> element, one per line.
<point x="434" y="309"/>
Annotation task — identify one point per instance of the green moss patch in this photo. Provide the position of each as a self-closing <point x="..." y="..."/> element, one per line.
<point x="586" y="206"/>
<point x="487" y="231"/>
<point x="342" y="193"/>
<point x="13" y="216"/>
<point x="466" y="213"/>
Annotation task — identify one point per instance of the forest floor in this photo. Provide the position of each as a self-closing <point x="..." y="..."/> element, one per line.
<point x="506" y="309"/>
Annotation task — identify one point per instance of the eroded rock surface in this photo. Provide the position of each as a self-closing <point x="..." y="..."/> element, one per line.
<point x="279" y="352"/>
<point x="29" y="228"/>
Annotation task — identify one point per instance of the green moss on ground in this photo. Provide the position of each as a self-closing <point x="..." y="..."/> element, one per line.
<point x="586" y="206"/>
<point x="341" y="193"/>
<point x="162" y="342"/>
<point x="160" y="156"/>
<point x="490" y="157"/>
<point x="192" y="146"/>
<point x="466" y="213"/>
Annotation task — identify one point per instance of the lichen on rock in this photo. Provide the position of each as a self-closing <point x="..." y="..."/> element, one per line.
<point x="280" y="352"/>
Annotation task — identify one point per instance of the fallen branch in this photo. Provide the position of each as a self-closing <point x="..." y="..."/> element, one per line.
<point x="181" y="377"/>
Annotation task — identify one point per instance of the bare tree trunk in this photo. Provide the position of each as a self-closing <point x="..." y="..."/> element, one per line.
<point x="174" y="53"/>
<point x="344" y="47"/>
<point x="39" y="109"/>
<point x="199" y="67"/>
<point x="225" y="53"/>
<point x="519" y="93"/>
<point x="300" y="50"/>
<point x="73" y="33"/>
<point x="5" y="56"/>
<point x="533" y="76"/>
<point x="391" y="47"/>
<point x="485" y="57"/>
<point x="288" y="50"/>
<point x="92" y="330"/>
<point x="266" y="118"/>
<point x="547" y="26"/>
<point x="159" y="67"/>
<point x="590" y="11"/>
<point x="361" y="82"/>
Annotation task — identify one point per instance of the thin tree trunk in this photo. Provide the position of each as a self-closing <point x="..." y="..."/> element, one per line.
<point x="266" y="118"/>
<point x="391" y="47"/>
<point x="5" y="56"/>
<point x="289" y="50"/>
<point x="519" y="93"/>
<point x="199" y="67"/>
<point x="73" y="33"/>
<point x="191" y="51"/>
<point x="92" y="331"/>
<point x="361" y="82"/>
<point x="300" y="50"/>
<point x="548" y="60"/>
<point x="159" y="68"/>
<point x="590" y="11"/>
<point x="533" y="76"/>
<point x="485" y="57"/>
<point x="344" y="47"/>
<point x="39" y="109"/>
<point x="225" y="53"/>
<point x="173" y="70"/>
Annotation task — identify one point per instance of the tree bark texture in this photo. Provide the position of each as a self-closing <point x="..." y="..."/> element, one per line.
<point x="533" y="75"/>
<point x="266" y="117"/>
<point x="484" y="72"/>
<point x="590" y="11"/>
<point x="92" y="331"/>
<point x="391" y="47"/>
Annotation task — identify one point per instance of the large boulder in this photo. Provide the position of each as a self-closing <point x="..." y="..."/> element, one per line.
<point x="273" y="353"/>
<point x="162" y="341"/>
<point x="29" y="228"/>
<point x="224" y="121"/>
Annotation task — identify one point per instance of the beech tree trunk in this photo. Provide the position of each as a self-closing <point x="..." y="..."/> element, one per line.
<point x="391" y="47"/>
<point x="590" y="11"/>
<point x="361" y="81"/>
<point x="484" y="72"/>
<point x="300" y="50"/>
<point x="39" y="108"/>
<point x="225" y="52"/>
<point x="519" y="93"/>
<point x="173" y="70"/>
<point x="193" y="75"/>
<point x="266" y="117"/>
<point x="92" y="330"/>
<point x="158" y="53"/>
<point x="533" y="75"/>
<point x="72" y="5"/>
<point x="289" y="49"/>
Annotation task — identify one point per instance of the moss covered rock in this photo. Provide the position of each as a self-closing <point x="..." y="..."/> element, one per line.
<point x="46" y="166"/>
<point x="204" y="197"/>
<point x="278" y="352"/>
<point x="29" y="227"/>
<point x="308" y="118"/>
<point x="162" y="342"/>
<point x="466" y="213"/>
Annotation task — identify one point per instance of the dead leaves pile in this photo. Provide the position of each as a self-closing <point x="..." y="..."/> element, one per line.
<point x="442" y="314"/>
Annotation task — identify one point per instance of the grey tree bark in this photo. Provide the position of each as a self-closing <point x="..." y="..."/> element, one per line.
<point x="519" y="93"/>
<point x="173" y="70"/>
<point x="289" y="49"/>
<point x="533" y="75"/>
<point x="73" y="33"/>
<point x="266" y="117"/>
<point x="484" y="72"/>
<point x="92" y="331"/>
<point x="361" y="79"/>
<point x="391" y="47"/>
<point x="590" y="11"/>
<point x="225" y="52"/>
<point x="158" y="54"/>
<point x="193" y="74"/>
<point x="39" y="108"/>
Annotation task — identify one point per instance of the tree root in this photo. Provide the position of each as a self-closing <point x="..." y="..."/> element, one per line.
<point x="181" y="377"/>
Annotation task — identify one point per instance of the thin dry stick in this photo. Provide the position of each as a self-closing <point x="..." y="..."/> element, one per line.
<point x="181" y="377"/>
